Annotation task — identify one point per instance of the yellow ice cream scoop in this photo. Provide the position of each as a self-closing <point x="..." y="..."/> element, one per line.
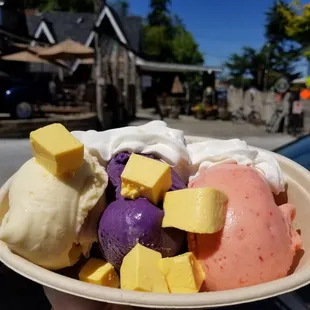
<point x="46" y="213"/>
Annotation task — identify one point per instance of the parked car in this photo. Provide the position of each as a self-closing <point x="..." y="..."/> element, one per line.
<point x="21" y="98"/>
<point x="298" y="151"/>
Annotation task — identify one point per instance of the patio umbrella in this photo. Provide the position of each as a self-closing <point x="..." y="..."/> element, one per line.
<point x="25" y="56"/>
<point x="31" y="57"/>
<point x="34" y="49"/>
<point x="67" y="50"/>
<point x="177" y="87"/>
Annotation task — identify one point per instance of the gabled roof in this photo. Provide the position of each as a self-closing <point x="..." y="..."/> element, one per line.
<point x="58" y="26"/>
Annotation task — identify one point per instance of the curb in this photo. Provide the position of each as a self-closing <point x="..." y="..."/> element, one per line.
<point x="22" y="128"/>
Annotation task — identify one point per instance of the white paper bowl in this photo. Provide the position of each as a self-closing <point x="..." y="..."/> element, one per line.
<point x="298" y="180"/>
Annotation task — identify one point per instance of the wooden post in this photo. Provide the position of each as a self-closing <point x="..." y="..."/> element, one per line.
<point x="116" y="83"/>
<point x="115" y="66"/>
<point x="99" y="101"/>
<point x="137" y="77"/>
<point x="98" y="64"/>
<point x="126" y="82"/>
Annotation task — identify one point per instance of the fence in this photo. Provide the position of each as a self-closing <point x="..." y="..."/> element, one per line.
<point x="274" y="113"/>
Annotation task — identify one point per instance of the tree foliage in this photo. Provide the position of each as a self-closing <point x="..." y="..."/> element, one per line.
<point x="159" y="14"/>
<point x="253" y="65"/>
<point x="156" y="43"/>
<point x="185" y="49"/>
<point x="166" y="38"/>
<point x="297" y="24"/>
<point x="275" y="59"/>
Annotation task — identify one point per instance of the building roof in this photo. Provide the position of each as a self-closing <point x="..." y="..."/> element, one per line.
<point x="173" y="67"/>
<point x="58" y="26"/>
<point x="62" y="25"/>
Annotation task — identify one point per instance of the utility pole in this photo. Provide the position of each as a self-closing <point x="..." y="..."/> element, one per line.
<point x="98" y="5"/>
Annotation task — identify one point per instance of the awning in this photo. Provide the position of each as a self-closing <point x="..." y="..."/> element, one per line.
<point x="173" y="67"/>
<point x="24" y="56"/>
<point x="299" y="81"/>
<point x="67" y="50"/>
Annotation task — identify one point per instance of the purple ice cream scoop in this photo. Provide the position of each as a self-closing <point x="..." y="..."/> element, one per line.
<point x="116" y="167"/>
<point x="128" y="222"/>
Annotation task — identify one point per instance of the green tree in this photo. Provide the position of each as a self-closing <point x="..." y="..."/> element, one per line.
<point x="275" y="25"/>
<point x="281" y="50"/>
<point x="158" y="32"/>
<point x="166" y="38"/>
<point x="159" y="14"/>
<point x="297" y="24"/>
<point x="275" y="59"/>
<point x="156" y="43"/>
<point x="263" y="66"/>
<point x="184" y="47"/>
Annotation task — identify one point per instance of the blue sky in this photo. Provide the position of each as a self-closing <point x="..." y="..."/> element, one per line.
<point x="221" y="27"/>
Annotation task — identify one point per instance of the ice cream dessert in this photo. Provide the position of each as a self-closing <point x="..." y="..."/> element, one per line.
<point x="44" y="221"/>
<point x="257" y="243"/>
<point x="217" y="193"/>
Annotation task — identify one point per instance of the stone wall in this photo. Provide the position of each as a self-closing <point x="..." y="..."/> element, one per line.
<point x="22" y="128"/>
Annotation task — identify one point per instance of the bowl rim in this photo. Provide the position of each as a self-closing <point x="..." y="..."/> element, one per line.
<point x="154" y="300"/>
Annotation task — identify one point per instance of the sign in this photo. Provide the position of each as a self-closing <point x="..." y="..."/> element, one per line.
<point x="297" y="107"/>
<point x="282" y="85"/>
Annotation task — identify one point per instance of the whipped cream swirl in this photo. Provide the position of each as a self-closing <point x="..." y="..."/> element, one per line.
<point x="152" y="138"/>
<point x="212" y="152"/>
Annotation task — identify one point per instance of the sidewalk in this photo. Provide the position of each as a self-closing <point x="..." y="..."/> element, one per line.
<point x="254" y="135"/>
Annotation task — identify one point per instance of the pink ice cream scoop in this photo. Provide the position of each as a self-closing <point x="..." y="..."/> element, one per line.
<point x="257" y="243"/>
